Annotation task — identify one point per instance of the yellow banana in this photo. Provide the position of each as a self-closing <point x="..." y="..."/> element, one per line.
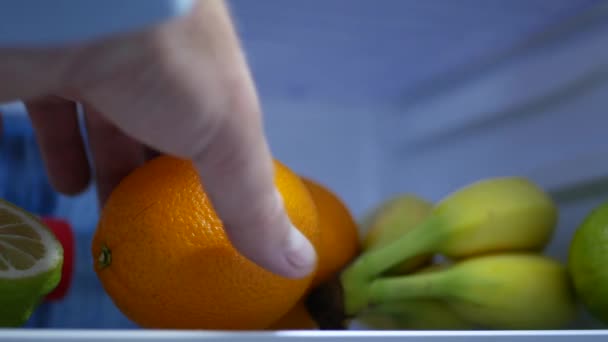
<point x="499" y="214"/>
<point x="416" y="314"/>
<point x="390" y="220"/>
<point x="500" y="291"/>
<point x="492" y="215"/>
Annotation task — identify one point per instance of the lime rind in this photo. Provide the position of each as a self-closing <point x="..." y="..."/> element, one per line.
<point x="31" y="260"/>
<point x="587" y="260"/>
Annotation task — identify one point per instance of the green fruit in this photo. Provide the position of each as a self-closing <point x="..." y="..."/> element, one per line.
<point x="588" y="262"/>
<point x="414" y="314"/>
<point x="501" y="291"/>
<point x="492" y="215"/>
<point x="499" y="214"/>
<point x="417" y="314"/>
<point x="392" y="219"/>
<point x="30" y="264"/>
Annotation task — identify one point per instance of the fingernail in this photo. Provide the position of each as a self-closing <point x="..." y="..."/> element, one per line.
<point x="300" y="253"/>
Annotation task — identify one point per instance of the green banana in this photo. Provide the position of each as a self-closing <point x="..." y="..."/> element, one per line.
<point x="390" y="220"/>
<point x="488" y="216"/>
<point x="387" y="222"/>
<point x="414" y="314"/>
<point x="499" y="291"/>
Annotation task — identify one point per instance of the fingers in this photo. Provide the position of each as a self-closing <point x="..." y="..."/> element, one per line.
<point x="237" y="167"/>
<point x="187" y="91"/>
<point x="114" y="154"/>
<point x="234" y="160"/>
<point x="56" y="128"/>
<point x="192" y="96"/>
<point x="183" y="89"/>
<point x="150" y="153"/>
<point x="30" y="73"/>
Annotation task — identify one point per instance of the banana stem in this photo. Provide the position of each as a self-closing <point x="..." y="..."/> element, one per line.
<point x="419" y="240"/>
<point x="394" y="308"/>
<point x="356" y="278"/>
<point x="408" y="287"/>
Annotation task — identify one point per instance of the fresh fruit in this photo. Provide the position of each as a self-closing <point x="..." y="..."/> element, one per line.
<point x="492" y="215"/>
<point x="338" y="246"/>
<point x="297" y="318"/>
<point x="588" y="260"/>
<point x="392" y="219"/>
<point x="162" y="255"/>
<point x="416" y="314"/>
<point x="500" y="291"/>
<point x="339" y="243"/>
<point x="64" y="234"/>
<point x="30" y="264"/>
<point x="497" y="214"/>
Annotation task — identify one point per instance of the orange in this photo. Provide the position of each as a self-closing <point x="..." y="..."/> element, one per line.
<point x="162" y="255"/>
<point x="340" y="244"/>
<point x="297" y="318"/>
<point x="340" y="241"/>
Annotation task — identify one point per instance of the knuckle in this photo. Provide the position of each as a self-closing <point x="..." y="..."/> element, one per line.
<point x="225" y="145"/>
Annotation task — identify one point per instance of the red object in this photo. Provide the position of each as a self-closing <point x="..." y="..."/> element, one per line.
<point x="65" y="235"/>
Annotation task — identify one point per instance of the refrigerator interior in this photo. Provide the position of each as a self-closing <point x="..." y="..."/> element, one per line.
<point x="379" y="98"/>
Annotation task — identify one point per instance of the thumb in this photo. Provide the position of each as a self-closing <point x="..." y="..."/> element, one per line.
<point x="226" y="142"/>
<point x="237" y="172"/>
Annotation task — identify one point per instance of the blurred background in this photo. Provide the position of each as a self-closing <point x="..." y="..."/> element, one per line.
<point x="375" y="98"/>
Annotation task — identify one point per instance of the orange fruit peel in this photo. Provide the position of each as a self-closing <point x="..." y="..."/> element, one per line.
<point x="163" y="257"/>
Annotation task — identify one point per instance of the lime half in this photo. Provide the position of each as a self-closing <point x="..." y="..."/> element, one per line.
<point x="588" y="262"/>
<point x="30" y="263"/>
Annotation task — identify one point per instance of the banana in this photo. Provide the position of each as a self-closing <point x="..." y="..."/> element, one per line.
<point x="393" y="218"/>
<point x="488" y="216"/>
<point x="499" y="291"/>
<point x="415" y="314"/>
<point x="499" y="214"/>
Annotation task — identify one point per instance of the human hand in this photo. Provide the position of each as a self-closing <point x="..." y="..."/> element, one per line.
<point x="182" y="88"/>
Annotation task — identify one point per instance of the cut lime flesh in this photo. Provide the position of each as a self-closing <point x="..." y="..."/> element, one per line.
<point x="30" y="263"/>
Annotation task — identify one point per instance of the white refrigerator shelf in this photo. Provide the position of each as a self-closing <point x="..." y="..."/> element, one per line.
<point x="27" y="335"/>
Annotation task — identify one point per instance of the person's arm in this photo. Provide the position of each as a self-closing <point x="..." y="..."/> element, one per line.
<point x="43" y="23"/>
<point x="181" y="87"/>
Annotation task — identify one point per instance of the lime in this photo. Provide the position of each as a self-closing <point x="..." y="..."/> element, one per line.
<point x="588" y="262"/>
<point x="30" y="263"/>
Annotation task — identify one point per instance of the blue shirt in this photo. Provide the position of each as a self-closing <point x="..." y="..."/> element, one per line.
<point x="46" y="23"/>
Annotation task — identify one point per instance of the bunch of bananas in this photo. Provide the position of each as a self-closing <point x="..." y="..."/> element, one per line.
<point x="473" y="260"/>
